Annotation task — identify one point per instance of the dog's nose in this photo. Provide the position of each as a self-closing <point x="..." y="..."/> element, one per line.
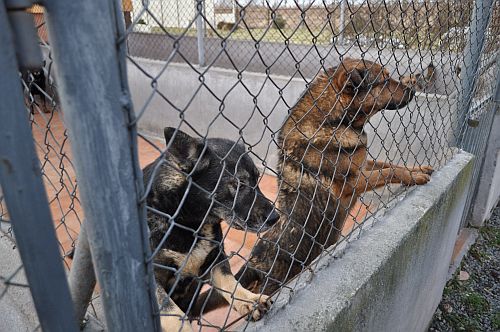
<point x="411" y="91"/>
<point x="409" y="81"/>
<point x="273" y="218"/>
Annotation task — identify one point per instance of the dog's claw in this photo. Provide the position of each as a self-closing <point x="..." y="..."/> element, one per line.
<point x="422" y="169"/>
<point x="257" y="309"/>
<point x="411" y="178"/>
<point x="418" y="179"/>
<point x="426" y="169"/>
<point x="421" y="178"/>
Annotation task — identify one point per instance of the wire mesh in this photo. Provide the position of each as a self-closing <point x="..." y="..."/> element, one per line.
<point x="241" y="75"/>
<point x="266" y="148"/>
<point x="482" y="110"/>
<point x="57" y="171"/>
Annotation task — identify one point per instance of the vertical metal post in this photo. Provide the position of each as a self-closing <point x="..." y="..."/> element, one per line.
<point x="96" y="108"/>
<point x="342" y="22"/>
<point x="497" y="89"/>
<point x="26" y="199"/>
<point x="479" y="198"/>
<point x="472" y="57"/>
<point x="200" y="31"/>
<point x="139" y="181"/>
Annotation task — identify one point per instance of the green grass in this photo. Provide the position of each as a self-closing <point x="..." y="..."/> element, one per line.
<point x="495" y="320"/>
<point x="293" y="36"/>
<point x="476" y="303"/>
<point x="478" y="254"/>
<point x="491" y="234"/>
<point x="462" y="322"/>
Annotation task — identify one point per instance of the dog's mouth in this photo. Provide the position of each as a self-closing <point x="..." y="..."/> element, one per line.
<point x="241" y="226"/>
<point x="409" y="93"/>
<point x="261" y="225"/>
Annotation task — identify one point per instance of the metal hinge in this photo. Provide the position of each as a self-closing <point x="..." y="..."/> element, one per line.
<point x="28" y="53"/>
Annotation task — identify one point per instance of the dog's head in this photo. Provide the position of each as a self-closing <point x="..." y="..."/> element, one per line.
<point x="240" y="190"/>
<point x="364" y="88"/>
<point x="224" y="181"/>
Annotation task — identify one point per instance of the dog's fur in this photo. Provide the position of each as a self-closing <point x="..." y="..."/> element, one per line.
<point x="36" y="86"/>
<point x="222" y="184"/>
<point x="324" y="168"/>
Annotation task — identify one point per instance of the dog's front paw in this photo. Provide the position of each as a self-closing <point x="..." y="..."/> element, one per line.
<point x="413" y="178"/>
<point x="174" y="324"/>
<point x="427" y="169"/>
<point x="420" y="178"/>
<point x="256" y="306"/>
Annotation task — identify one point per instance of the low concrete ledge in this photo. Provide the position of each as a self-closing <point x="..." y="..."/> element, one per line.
<point x="392" y="278"/>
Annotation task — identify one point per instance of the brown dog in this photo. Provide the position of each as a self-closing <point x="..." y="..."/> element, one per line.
<point x="324" y="168"/>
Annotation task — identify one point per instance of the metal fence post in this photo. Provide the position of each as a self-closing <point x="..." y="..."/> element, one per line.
<point x="96" y="108"/>
<point x="497" y="89"/>
<point x="26" y="198"/>
<point x="342" y="22"/>
<point x="472" y="57"/>
<point x="479" y="198"/>
<point x="200" y="31"/>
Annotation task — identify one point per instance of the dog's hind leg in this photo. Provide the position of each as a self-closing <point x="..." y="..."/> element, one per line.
<point x="172" y="318"/>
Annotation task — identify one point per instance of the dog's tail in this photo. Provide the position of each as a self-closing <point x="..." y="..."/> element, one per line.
<point x="209" y="300"/>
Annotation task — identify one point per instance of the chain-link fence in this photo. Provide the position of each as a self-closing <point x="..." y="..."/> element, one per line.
<point x="313" y="150"/>
<point x="57" y="171"/>
<point x="271" y="133"/>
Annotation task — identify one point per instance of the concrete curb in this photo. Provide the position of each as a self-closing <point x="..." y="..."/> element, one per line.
<point x="392" y="278"/>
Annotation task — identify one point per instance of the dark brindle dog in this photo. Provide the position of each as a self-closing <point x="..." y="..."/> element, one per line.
<point x="222" y="185"/>
<point x="324" y="168"/>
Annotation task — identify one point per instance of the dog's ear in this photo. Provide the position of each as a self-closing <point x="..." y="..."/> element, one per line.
<point x="189" y="151"/>
<point x="357" y="78"/>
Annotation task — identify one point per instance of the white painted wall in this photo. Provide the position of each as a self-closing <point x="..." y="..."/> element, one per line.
<point x="171" y="13"/>
<point x="419" y="132"/>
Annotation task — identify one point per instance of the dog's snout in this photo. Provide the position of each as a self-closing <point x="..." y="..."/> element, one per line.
<point x="273" y="218"/>
<point x="409" y="81"/>
<point x="404" y="96"/>
<point x="411" y="93"/>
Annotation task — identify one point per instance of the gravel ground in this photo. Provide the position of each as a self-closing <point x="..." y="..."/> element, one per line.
<point x="471" y="299"/>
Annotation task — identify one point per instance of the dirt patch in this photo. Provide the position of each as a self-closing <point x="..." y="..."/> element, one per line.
<point x="472" y="303"/>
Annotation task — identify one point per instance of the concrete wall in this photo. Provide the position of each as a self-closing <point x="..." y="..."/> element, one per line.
<point x="221" y="103"/>
<point x="392" y="277"/>
<point x="488" y="192"/>
<point x="292" y="60"/>
<point x="417" y="134"/>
